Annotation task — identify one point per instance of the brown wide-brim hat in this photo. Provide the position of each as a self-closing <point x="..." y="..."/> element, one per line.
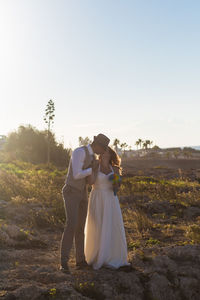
<point x="102" y="140"/>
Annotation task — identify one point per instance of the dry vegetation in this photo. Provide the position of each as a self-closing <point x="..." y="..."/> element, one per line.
<point x="162" y="223"/>
<point x="160" y="212"/>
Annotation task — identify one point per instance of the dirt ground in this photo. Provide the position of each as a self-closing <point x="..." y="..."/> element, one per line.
<point x="33" y="273"/>
<point x="166" y="168"/>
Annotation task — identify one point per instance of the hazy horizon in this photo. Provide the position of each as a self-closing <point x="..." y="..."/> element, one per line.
<point x="127" y="69"/>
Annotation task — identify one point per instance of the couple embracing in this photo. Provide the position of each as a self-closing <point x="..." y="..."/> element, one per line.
<point x="97" y="224"/>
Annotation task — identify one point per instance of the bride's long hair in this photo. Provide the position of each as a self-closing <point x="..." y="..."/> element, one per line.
<point x="115" y="160"/>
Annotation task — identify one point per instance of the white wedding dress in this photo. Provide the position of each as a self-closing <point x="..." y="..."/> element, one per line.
<point x="105" y="241"/>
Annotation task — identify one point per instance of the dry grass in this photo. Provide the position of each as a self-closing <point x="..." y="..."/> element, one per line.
<point x="154" y="209"/>
<point x="137" y="220"/>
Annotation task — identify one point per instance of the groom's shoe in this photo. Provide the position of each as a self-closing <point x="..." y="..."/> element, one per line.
<point x="82" y="265"/>
<point x="64" y="268"/>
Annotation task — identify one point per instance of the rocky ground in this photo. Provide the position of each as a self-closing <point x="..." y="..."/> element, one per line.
<point x="29" y="268"/>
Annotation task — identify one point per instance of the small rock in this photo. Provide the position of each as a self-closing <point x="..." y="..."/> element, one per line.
<point x="129" y="284"/>
<point x="190" y="288"/>
<point x="192" y="212"/>
<point x="160" y="288"/>
<point x="189" y="253"/>
<point x="31" y="292"/>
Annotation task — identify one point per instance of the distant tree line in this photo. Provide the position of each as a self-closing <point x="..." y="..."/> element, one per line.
<point x="143" y="144"/>
<point x="31" y="145"/>
<point x="149" y="150"/>
<point x="38" y="147"/>
<point x="122" y="146"/>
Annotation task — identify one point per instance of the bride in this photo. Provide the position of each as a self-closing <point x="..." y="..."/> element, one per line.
<point x="105" y="241"/>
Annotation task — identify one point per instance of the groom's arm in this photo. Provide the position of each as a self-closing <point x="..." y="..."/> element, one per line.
<point x="78" y="157"/>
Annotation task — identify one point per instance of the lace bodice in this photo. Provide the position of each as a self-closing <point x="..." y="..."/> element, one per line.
<point x="102" y="181"/>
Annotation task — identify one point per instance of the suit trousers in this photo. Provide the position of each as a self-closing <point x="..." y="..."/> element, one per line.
<point x="76" y="204"/>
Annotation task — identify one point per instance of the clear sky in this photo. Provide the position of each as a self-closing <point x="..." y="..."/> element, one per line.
<point x="126" y="68"/>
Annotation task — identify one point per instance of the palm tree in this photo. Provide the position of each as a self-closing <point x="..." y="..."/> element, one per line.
<point x="124" y="146"/>
<point x="137" y="144"/>
<point x="145" y="144"/>
<point x="140" y="141"/>
<point x="148" y="142"/>
<point x="151" y="143"/>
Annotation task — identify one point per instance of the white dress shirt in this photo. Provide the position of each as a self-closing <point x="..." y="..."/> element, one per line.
<point x="78" y="157"/>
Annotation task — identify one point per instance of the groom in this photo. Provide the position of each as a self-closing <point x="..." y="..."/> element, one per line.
<point x="76" y="199"/>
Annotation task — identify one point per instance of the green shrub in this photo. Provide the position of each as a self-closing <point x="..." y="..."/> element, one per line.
<point x="27" y="183"/>
<point x="193" y="233"/>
